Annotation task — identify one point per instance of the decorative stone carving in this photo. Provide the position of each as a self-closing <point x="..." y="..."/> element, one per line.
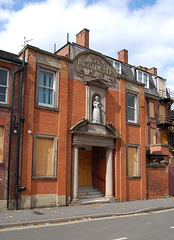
<point x="90" y="65"/>
<point x="96" y="117"/>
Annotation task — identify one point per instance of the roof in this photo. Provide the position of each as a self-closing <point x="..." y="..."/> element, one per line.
<point x="9" y="56"/>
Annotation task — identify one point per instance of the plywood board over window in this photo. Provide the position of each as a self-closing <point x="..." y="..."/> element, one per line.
<point x="152" y="136"/>
<point x="1" y="142"/>
<point x="164" y="137"/>
<point x="44" y="155"/>
<point x="151" y="110"/>
<point x="133" y="161"/>
<point x="162" y="113"/>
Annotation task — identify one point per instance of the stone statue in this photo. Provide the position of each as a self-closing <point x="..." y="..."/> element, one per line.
<point x="96" y="110"/>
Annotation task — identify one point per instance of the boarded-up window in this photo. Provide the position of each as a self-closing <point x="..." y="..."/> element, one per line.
<point x="133" y="162"/>
<point x="1" y="143"/>
<point x="164" y="137"/>
<point x="45" y="154"/>
<point x="151" y="109"/>
<point x="152" y="136"/>
<point x="162" y="113"/>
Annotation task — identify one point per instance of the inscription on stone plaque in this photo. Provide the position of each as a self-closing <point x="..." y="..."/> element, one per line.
<point x="95" y="67"/>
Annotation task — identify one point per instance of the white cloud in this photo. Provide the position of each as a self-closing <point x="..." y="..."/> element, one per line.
<point x="147" y="33"/>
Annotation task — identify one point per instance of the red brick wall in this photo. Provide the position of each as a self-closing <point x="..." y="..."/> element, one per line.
<point x="5" y="113"/>
<point x="157" y="182"/>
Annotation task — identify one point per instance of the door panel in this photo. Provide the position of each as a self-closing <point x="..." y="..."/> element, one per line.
<point x="85" y="168"/>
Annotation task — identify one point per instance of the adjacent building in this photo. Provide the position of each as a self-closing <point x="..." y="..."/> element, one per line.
<point x="77" y="120"/>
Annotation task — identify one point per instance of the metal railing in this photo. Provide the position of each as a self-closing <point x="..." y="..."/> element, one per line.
<point x="167" y="93"/>
<point x="165" y="118"/>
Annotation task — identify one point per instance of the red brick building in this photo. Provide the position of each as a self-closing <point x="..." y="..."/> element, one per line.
<point x="83" y="120"/>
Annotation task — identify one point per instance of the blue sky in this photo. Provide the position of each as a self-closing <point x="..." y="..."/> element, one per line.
<point x="144" y="28"/>
<point x="137" y="4"/>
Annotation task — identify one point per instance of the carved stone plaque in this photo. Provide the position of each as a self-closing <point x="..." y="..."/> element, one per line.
<point x="88" y="66"/>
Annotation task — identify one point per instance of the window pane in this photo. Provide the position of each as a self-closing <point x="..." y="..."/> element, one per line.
<point x="44" y="157"/>
<point x="3" y="90"/>
<point x="41" y="78"/>
<point x="145" y="79"/>
<point x="2" y="98"/>
<point x="46" y="87"/>
<point x="132" y="161"/>
<point x="117" y="67"/>
<point x="131" y="100"/>
<point x="41" y="95"/>
<point x="3" y="77"/>
<point x="139" y="76"/>
<point x="131" y="114"/>
<point x="48" y="96"/>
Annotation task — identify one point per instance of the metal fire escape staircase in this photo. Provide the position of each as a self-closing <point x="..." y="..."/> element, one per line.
<point x="168" y="120"/>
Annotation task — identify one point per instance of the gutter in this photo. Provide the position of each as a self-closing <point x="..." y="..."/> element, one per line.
<point x="10" y="60"/>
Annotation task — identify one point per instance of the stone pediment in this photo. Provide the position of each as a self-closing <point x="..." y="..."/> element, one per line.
<point x="84" y="127"/>
<point x="97" y="83"/>
<point x="89" y="65"/>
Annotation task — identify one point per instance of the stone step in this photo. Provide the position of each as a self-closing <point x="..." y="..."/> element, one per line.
<point x="91" y="196"/>
<point x="82" y="193"/>
<point x="100" y="200"/>
<point x="89" y="193"/>
<point x="86" y="189"/>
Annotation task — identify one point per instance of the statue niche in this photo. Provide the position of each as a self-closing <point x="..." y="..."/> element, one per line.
<point x="96" y="112"/>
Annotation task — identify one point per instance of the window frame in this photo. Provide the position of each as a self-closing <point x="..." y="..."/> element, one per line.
<point x="129" y="145"/>
<point x="54" y="166"/>
<point x="55" y="101"/>
<point x="7" y="86"/>
<point x="142" y="78"/>
<point x="136" y="95"/>
<point x="113" y="62"/>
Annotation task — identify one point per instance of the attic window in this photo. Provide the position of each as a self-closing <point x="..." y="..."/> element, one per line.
<point x="143" y="78"/>
<point x="116" y="65"/>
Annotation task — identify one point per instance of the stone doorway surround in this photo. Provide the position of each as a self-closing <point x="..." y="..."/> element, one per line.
<point x="85" y="133"/>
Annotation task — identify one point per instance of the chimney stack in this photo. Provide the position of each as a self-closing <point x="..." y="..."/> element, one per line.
<point x="153" y="71"/>
<point x="82" y="38"/>
<point x="123" y="56"/>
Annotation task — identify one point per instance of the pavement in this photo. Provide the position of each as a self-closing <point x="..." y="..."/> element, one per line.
<point x="16" y="218"/>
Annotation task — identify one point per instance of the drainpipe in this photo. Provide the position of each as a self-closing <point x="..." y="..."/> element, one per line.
<point x="19" y="133"/>
<point x="148" y="123"/>
<point x="10" y="134"/>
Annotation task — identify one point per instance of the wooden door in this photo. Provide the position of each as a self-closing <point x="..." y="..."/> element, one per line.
<point x="85" y="168"/>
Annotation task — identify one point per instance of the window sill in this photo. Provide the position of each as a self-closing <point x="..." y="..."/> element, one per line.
<point x="44" y="178"/>
<point x="134" y="177"/>
<point x="4" y="105"/>
<point x="159" y="144"/>
<point x="134" y="124"/>
<point x="47" y="108"/>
